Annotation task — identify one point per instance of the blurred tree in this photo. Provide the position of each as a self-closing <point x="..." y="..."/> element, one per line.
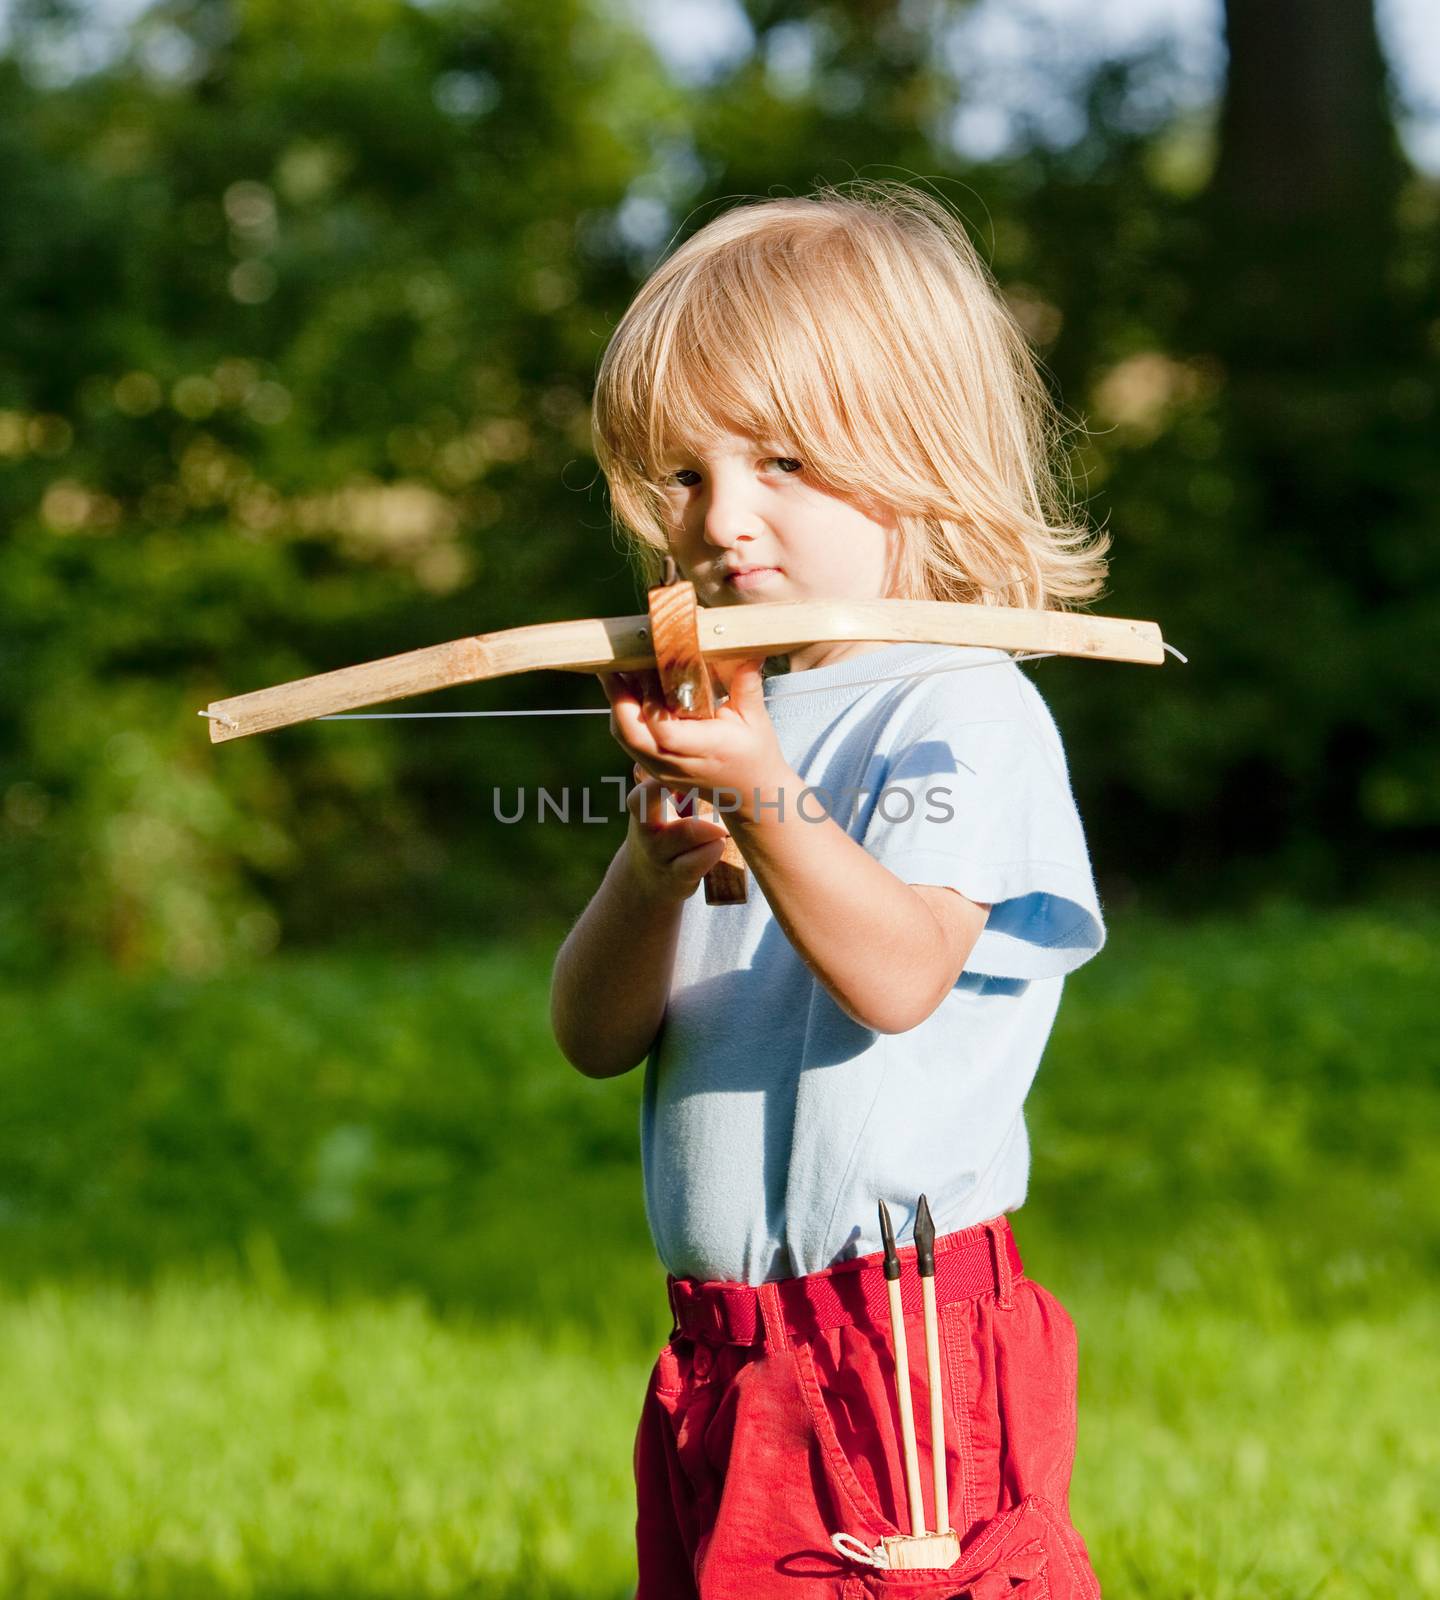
<point x="1319" y="309"/>
<point x="294" y="367"/>
<point x="1261" y="388"/>
<point x="296" y="344"/>
<point x="1309" y="164"/>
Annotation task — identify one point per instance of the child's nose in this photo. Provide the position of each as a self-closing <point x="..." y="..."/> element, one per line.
<point x="730" y="512"/>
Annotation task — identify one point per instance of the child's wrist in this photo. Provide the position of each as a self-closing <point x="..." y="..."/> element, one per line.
<point x="766" y="800"/>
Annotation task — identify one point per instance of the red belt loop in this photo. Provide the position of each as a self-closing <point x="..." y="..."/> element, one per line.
<point x="999" y="1248"/>
<point x="773" y="1315"/>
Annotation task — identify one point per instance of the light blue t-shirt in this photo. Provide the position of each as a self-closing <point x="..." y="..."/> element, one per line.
<point x="771" y="1121"/>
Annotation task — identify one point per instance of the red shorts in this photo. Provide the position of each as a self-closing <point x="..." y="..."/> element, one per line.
<point x="771" y="1424"/>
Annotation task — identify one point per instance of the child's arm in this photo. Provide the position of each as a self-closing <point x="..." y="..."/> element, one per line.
<point x="612" y="975"/>
<point x="886" y="951"/>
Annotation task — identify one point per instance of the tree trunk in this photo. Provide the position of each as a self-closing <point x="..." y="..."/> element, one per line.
<point x="1309" y="169"/>
<point x="1306" y="127"/>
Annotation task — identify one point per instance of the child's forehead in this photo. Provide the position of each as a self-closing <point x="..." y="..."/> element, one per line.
<point x="731" y="440"/>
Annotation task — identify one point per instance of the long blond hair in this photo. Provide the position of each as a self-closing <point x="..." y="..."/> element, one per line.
<point x="860" y="326"/>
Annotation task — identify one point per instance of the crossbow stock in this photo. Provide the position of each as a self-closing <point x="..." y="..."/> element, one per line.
<point x="675" y="637"/>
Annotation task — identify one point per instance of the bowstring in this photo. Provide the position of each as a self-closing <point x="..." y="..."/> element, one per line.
<point x="604" y="711"/>
<point x="1004" y="659"/>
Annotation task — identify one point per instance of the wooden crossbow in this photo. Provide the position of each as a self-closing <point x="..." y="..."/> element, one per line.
<point x="675" y="638"/>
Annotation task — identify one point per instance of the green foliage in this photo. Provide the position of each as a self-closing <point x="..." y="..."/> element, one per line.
<point x="384" y="1120"/>
<point x="371" y="1119"/>
<point x="296" y="347"/>
<point x="332" y="404"/>
<point x="332" y="1278"/>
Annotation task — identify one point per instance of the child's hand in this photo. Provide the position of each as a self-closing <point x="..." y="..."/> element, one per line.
<point x="670" y="852"/>
<point x="734" y="754"/>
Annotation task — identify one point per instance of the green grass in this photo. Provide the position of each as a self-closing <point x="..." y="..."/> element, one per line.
<point x="330" y="1279"/>
<point x="208" y="1439"/>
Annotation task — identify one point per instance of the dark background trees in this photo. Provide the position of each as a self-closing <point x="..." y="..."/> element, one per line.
<point x="299" y="314"/>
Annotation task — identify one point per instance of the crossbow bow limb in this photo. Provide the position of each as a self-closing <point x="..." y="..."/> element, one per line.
<point x="675" y="638"/>
<point x="626" y="644"/>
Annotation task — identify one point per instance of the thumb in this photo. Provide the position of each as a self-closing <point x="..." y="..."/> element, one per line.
<point x="746" y="688"/>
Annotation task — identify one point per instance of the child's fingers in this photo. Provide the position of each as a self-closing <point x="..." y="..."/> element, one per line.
<point x="649" y="801"/>
<point x="629" y="726"/>
<point x="679" y="849"/>
<point x="661" y="799"/>
<point x="699" y="860"/>
<point x="617" y="686"/>
<point x="726" y="668"/>
<point x="743" y="682"/>
<point x="639" y="714"/>
<point x="657" y="807"/>
<point x="652" y="695"/>
<point x="690" y="863"/>
<point x="641" y="686"/>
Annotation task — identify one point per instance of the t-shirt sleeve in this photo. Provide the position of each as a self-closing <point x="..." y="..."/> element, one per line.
<point x="985" y="807"/>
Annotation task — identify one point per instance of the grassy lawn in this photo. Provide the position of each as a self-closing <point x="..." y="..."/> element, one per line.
<point x="330" y="1279"/>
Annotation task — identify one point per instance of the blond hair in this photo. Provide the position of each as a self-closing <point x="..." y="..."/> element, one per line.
<point x="860" y="327"/>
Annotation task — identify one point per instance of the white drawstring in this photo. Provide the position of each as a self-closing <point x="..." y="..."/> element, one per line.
<point x="848" y="1545"/>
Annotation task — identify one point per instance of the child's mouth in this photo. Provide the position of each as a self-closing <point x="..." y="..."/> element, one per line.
<point x="750" y="577"/>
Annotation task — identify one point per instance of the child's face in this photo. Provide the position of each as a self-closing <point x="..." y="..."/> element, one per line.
<point x="747" y="524"/>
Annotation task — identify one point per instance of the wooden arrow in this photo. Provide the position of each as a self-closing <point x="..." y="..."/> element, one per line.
<point x="901" y="1352"/>
<point x="925" y="1261"/>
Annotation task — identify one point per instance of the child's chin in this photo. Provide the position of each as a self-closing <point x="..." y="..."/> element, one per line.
<point x="747" y="585"/>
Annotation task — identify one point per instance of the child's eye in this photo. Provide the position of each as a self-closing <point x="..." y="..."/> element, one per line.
<point x="679" y="477"/>
<point x="787" y="464"/>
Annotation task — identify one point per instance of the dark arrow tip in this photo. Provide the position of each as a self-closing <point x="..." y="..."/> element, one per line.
<point x="887" y="1233"/>
<point x="924" y="1239"/>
